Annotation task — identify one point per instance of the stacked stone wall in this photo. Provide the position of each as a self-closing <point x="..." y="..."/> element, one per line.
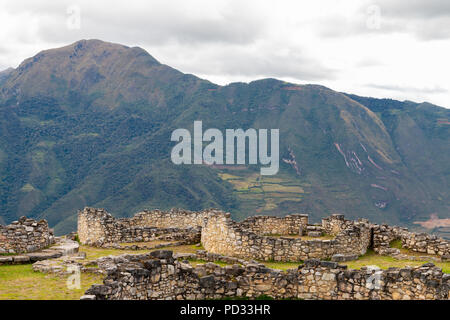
<point x="25" y="235"/>
<point x="93" y="226"/>
<point x="159" y="276"/>
<point x="251" y="238"/>
<point x="222" y="235"/>
<point x="175" y="218"/>
<point x="292" y="224"/>
<point x="98" y="228"/>
<point x="336" y="223"/>
<point x="425" y="243"/>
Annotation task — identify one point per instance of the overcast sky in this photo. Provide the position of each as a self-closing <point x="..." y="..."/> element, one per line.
<point x="386" y="48"/>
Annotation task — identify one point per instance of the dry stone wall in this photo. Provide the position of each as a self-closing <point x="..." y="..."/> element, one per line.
<point x="158" y="275"/>
<point x="25" y="235"/>
<point x="174" y="218"/>
<point x="250" y="239"/>
<point x="222" y="235"/>
<point x="93" y="226"/>
<point x="98" y="228"/>
<point x="425" y="243"/>
<point x="383" y="235"/>
<point x="335" y="224"/>
<point x="293" y="224"/>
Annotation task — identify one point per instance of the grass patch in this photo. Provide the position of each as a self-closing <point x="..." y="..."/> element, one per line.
<point x="199" y="247"/>
<point x="325" y="237"/>
<point x="91" y="265"/>
<point x="396" y="244"/>
<point x="93" y="253"/>
<point x="20" y="282"/>
<point x="370" y="258"/>
<point x="266" y="179"/>
<point x="281" y="265"/>
<point x="385" y="262"/>
<point x="280" y="197"/>
<point x="227" y="176"/>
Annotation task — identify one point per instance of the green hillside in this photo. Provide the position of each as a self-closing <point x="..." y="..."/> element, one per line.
<point x="90" y="124"/>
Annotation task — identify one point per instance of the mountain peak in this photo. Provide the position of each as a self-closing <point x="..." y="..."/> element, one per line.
<point x="95" y="49"/>
<point x="96" y="45"/>
<point x="87" y="66"/>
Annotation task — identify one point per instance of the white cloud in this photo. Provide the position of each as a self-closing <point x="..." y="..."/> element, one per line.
<point x="400" y="51"/>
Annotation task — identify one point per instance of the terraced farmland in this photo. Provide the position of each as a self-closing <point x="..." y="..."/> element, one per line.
<point x="263" y="194"/>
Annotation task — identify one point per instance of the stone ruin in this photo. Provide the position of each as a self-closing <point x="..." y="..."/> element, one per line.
<point x="29" y="241"/>
<point x="96" y="227"/>
<point x="263" y="238"/>
<point x="418" y="242"/>
<point x="162" y="275"/>
<point x="25" y="235"/>
<point x="251" y="239"/>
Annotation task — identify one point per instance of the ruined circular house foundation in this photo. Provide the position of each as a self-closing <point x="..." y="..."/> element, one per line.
<point x="248" y="239"/>
<point x="253" y="238"/>
<point x="218" y="233"/>
<point x="160" y="275"/>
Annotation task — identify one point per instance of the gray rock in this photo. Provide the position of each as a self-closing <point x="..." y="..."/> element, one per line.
<point x="343" y="257"/>
<point x="207" y="282"/>
<point x="21" y="259"/>
<point x="6" y="259"/>
<point x="162" y="254"/>
<point x="314" y="234"/>
<point x="44" y="255"/>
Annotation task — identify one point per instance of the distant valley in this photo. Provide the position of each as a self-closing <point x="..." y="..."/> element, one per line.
<point x="89" y="124"/>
